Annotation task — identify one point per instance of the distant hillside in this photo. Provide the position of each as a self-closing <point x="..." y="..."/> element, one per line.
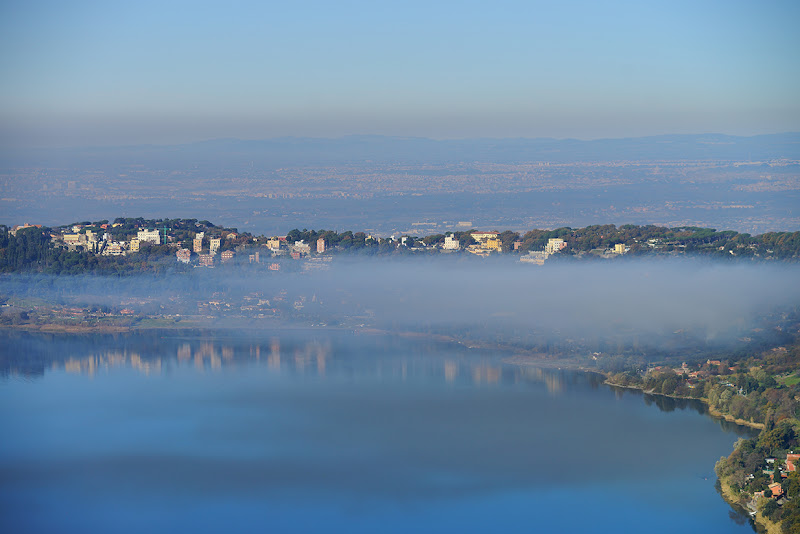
<point x="292" y="151"/>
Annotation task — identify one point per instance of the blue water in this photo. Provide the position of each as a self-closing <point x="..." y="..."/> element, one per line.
<point x="334" y="432"/>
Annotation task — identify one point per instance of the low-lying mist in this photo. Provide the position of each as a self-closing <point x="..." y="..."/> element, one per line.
<point x="638" y="301"/>
<point x="643" y="295"/>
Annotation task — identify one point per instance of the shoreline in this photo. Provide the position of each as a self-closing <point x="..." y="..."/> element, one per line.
<point x="712" y="410"/>
<point x="763" y="525"/>
<point x="53" y="328"/>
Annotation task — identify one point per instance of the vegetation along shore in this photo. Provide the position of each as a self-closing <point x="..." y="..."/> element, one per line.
<point x="761" y="474"/>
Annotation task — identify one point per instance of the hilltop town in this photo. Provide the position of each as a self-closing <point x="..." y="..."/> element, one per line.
<point x="137" y="244"/>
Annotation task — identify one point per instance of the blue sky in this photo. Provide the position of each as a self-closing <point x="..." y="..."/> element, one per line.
<point x="105" y="72"/>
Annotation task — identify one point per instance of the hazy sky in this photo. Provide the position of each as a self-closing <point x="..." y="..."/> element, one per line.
<point x="105" y="72"/>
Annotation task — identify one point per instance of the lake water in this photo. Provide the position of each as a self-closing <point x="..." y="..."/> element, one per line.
<point x="300" y="431"/>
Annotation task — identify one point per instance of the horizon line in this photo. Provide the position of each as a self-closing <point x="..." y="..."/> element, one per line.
<point x="401" y="138"/>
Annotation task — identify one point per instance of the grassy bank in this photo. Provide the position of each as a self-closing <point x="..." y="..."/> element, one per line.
<point x="763" y="524"/>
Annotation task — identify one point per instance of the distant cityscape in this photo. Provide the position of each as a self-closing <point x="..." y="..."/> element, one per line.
<point x="736" y="184"/>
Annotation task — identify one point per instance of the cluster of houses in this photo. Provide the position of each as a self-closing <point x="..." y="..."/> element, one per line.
<point x="88" y="239"/>
<point x="276" y="246"/>
<point x="206" y="250"/>
<point x="92" y="241"/>
<point x="556" y="245"/>
<point x="206" y="256"/>
<point x="775" y="489"/>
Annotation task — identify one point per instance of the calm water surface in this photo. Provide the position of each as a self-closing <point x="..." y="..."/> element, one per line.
<point x="334" y="432"/>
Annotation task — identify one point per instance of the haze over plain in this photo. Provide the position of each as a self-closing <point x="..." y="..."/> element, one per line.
<point x="172" y="75"/>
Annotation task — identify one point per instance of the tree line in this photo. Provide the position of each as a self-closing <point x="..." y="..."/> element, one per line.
<point x="32" y="249"/>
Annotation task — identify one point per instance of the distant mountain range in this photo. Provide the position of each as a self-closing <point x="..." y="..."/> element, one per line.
<point x="292" y="151"/>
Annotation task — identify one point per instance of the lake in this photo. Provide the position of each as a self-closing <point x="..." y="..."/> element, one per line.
<point x="326" y="431"/>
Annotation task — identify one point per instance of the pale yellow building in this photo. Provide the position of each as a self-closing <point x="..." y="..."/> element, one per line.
<point x="114" y="249"/>
<point x="480" y="237"/>
<point x="555" y="245"/>
<point x="493" y="244"/>
<point x="74" y="239"/>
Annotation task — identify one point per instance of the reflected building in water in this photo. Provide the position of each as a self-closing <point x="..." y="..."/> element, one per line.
<point x="326" y="357"/>
<point x="92" y="364"/>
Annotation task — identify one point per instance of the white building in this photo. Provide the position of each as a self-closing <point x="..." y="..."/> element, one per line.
<point x="451" y="243"/>
<point x="555" y="245"/>
<point x="301" y="247"/>
<point x="214" y="245"/>
<point x="151" y="236"/>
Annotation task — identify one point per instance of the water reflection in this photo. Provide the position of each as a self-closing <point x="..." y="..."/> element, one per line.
<point x="155" y="353"/>
<point x="671" y="404"/>
<point x="737" y="514"/>
<point x="403" y="429"/>
<point x="664" y="403"/>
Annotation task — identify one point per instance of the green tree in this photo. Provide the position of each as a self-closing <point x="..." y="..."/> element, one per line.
<point x="770" y="508"/>
<point x="669" y="384"/>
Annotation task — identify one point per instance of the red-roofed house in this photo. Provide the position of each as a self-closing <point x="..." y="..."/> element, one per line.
<point x="776" y="489"/>
<point x="791" y="462"/>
